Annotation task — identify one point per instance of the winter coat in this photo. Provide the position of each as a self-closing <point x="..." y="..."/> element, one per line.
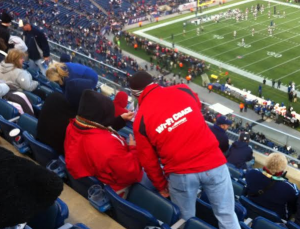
<point x="239" y="153"/>
<point x="169" y="129"/>
<point x="16" y="77"/>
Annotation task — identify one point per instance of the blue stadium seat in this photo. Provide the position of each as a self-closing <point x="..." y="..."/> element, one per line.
<point x="47" y="90"/>
<point x="154" y="203"/>
<point x="195" y="223"/>
<point x="28" y="123"/>
<point x="262" y="223"/>
<point x="204" y="211"/>
<point x="80" y="185"/>
<point x="292" y="225"/>
<point x="254" y="210"/>
<point x="234" y="172"/>
<point x="132" y="216"/>
<point x="41" y="152"/>
<point x="7" y="110"/>
<point x="238" y="188"/>
<point x="36" y="102"/>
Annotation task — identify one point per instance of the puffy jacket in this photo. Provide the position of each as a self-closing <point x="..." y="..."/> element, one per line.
<point x="100" y="153"/>
<point x="297" y="220"/>
<point x="19" y="78"/>
<point x="239" y="153"/>
<point x="169" y="126"/>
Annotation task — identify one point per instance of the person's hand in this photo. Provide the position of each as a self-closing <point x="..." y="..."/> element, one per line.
<point x="165" y="193"/>
<point x="127" y="116"/>
<point x="47" y="58"/>
<point x="131" y="140"/>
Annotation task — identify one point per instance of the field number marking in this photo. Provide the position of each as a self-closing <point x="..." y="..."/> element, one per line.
<point x="218" y="37"/>
<point x="243" y="45"/>
<point x="274" y="54"/>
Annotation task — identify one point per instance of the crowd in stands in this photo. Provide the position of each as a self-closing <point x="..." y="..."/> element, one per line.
<point x="173" y="145"/>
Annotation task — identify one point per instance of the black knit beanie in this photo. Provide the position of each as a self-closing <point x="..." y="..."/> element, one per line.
<point x="140" y="80"/>
<point x="6" y="18"/>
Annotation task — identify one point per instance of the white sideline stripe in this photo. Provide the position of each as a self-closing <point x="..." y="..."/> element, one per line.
<point x="194" y="44"/>
<point x="228" y="67"/>
<point x="250" y="36"/>
<point x="192" y="16"/>
<point x="279" y="64"/>
<point x="283" y="3"/>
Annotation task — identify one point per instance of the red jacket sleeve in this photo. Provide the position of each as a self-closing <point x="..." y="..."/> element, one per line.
<point x="149" y="160"/>
<point x="124" y="164"/>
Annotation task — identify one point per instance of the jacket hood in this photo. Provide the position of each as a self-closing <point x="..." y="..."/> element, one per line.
<point x="120" y="103"/>
<point x="96" y="107"/>
<point x="6" y="67"/>
<point x="239" y="144"/>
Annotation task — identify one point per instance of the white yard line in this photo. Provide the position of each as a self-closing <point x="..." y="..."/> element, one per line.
<point x="228" y="67"/>
<point x="288" y="75"/>
<point x="279" y="65"/>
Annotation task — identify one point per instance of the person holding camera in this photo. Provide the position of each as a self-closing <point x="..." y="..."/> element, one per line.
<point x="270" y="189"/>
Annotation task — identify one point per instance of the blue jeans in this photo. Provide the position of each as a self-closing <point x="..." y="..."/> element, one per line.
<point x="217" y="185"/>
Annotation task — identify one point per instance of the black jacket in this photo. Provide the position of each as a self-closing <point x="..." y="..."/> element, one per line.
<point x="5" y="34"/>
<point x="239" y="153"/>
<point x="298" y="212"/>
<point x="221" y="137"/>
<point x="40" y="38"/>
<point x="26" y="189"/>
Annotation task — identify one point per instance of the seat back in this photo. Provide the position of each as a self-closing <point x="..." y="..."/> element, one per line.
<point x="127" y="214"/>
<point x="6" y="127"/>
<point x="234" y="172"/>
<point x="7" y="110"/>
<point x="204" y="211"/>
<point x="292" y="225"/>
<point x="254" y="210"/>
<point x="161" y="208"/>
<point x="81" y="185"/>
<point x="47" y="90"/>
<point x="195" y="223"/>
<point x="34" y="99"/>
<point x="262" y="223"/>
<point x="42" y="153"/>
<point x="238" y="188"/>
<point x="28" y="123"/>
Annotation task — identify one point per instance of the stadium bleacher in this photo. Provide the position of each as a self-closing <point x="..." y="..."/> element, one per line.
<point x="142" y="207"/>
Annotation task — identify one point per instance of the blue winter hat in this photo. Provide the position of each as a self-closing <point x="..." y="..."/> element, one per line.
<point x="223" y="120"/>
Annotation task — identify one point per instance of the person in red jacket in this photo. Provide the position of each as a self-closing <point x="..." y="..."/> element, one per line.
<point x="120" y="103"/>
<point x="92" y="148"/>
<point x="170" y="130"/>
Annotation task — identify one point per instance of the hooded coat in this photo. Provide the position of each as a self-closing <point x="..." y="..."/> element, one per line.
<point x="16" y="77"/>
<point x="120" y="102"/>
<point x="26" y="189"/>
<point x="100" y="152"/>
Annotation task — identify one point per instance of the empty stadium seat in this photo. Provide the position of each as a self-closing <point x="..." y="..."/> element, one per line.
<point x="7" y="110"/>
<point x="204" y="211"/>
<point x="158" y="206"/>
<point x="132" y="216"/>
<point x="262" y="223"/>
<point x="195" y="223"/>
<point x="51" y="218"/>
<point x="254" y="210"/>
<point x="234" y="172"/>
<point x="292" y="225"/>
<point x="41" y="152"/>
<point x="238" y="188"/>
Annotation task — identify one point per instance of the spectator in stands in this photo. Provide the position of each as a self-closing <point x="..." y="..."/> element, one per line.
<point x="297" y="221"/>
<point x="53" y="121"/>
<point x="12" y="72"/>
<point x="4" y="29"/>
<point x="26" y="189"/>
<point x="240" y="154"/>
<point x="3" y="47"/>
<point x="65" y="58"/>
<point x="173" y="132"/>
<point x="219" y="129"/>
<point x="120" y="103"/>
<point x="269" y="187"/>
<point x="3" y="89"/>
<point x="92" y="148"/>
<point x="73" y="79"/>
<point x="38" y="47"/>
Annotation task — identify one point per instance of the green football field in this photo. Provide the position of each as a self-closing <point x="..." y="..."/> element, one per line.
<point x="261" y="56"/>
